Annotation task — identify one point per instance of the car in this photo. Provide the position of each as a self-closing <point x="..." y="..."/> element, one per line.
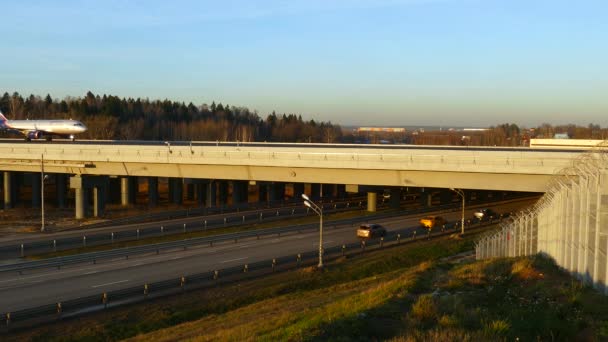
<point x="370" y="230"/>
<point x="482" y="214"/>
<point x="432" y="221"/>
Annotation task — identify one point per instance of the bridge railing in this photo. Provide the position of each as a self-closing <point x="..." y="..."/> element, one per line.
<point x="569" y="223"/>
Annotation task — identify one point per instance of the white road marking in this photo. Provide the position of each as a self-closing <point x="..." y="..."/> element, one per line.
<point x="92" y="272"/>
<point x="116" y="282"/>
<point x="231" y="260"/>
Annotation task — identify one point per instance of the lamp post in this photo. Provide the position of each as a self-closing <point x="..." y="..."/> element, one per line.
<point x="461" y="194"/>
<point x="319" y="211"/>
<point x="42" y="178"/>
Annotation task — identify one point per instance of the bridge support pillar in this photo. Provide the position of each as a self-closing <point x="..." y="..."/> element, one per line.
<point x="211" y="194"/>
<point x="79" y="200"/>
<point x="298" y="190"/>
<point x="426" y="199"/>
<point x="395" y="200"/>
<point x="99" y="199"/>
<point x="176" y="190"/>
<point x="61" y="189"/>
<point x="8" y="189"/>
<point x="371" y="201"/>
<point x="124" y="191"/>
<point x="36" y="188"/>
<point x="152" y="191"/>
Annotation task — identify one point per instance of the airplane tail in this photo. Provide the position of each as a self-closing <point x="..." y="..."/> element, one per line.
<point x="3" y="119"/>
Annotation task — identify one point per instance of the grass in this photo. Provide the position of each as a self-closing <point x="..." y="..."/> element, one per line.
<point x="405" y="293"/>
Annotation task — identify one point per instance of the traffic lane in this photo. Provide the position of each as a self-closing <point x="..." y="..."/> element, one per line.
<point x="33" y="290"/>
<point x="53" y="286"/>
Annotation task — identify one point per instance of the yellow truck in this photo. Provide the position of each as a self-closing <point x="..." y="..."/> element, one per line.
<point x="429" y="222"/>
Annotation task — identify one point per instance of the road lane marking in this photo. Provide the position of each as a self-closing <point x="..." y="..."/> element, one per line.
<point x="92" y="272"/>
<point x="116" y="282"/>
<point x="231" y="260"/>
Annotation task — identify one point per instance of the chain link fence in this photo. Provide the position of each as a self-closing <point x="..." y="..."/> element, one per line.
<point x="569" y="223"/>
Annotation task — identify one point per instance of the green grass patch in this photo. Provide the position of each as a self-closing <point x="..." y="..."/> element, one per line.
<point x="404" y="293"/>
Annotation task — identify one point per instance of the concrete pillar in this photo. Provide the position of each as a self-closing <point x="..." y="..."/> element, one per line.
<point x="152" y="191"/>
<point x="395" y="200"/>
<point x="298" y="190"/>
<point x="8" y="190"/>
<point x="223" y="192"/>
<point x="99" y="200"/>
<point x="315" y="191"/>
<point x="61" y="189"/>
<point x="76" y="183"/>
<point x="124" y="191"/>
<point x="176" y="190"/>
<point x="371" y="201"/>
<point x="211" y="194"/>
<point x="426" y="199"/>
<point x="36" y="188"/>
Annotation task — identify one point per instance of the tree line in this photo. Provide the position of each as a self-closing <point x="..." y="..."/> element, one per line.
<point x="112" y="117"/>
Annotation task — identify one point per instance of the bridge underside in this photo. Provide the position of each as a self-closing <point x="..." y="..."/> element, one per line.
<point x="413" y="178"/>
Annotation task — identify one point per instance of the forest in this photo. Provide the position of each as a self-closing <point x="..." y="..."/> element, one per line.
<point x="114" y="118"/>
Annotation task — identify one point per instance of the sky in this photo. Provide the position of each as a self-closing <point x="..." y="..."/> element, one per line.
<point x="360" y="62"/>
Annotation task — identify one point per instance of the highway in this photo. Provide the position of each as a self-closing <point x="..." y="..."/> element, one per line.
<point x="47" y="286"/>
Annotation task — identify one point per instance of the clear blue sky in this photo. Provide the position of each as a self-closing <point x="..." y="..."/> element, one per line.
<point x="364" y="62"/>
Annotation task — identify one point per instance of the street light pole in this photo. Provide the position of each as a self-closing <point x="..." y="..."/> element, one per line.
<point x="42" y="191"/>
<point x="461" y="194"/>
<point x="319" y="211"/>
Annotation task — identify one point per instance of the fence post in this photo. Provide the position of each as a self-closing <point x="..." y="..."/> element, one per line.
<point x="343" y="250"/>
<point x="261" y="216"/>
<point x="216" y="275"/>
<point x="224" y="221"/>
<point x="59" y="308"/>
<point x="137" y="234"/>
<point x="184" y="227"/>
<point x="104" y="300"/>
<point x="112" y="237"/>
<point x="182" y="282"/>
<point x="84" y="241"/>
<point x="162" y="230"/>
<point x="8" y="319"/>
<point x="146" y="290"/>
<point x="245" y="268"/>
<point x="398" y="238"/>
<point x="299" y="259"/>
<point x="414" y="235"/>
<point x="54" y="245"/>
<point x="274" y="264"/>
<point x="428" y="234"/>
<point x="205" y="225"/>
<point x="22" y="250"/>
<point x="243" y="218"/>
<point x="363" y="244"/>
<point x="381" y="241"/>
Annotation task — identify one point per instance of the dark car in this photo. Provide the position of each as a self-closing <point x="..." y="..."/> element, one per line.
<point x="485" y="214"/>
<point x="370" y="230"/>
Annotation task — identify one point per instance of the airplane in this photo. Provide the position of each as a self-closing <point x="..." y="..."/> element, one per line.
<point x="43" y="129"/>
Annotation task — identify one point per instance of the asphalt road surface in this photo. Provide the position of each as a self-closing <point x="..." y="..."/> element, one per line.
<point x="46" y="286"/>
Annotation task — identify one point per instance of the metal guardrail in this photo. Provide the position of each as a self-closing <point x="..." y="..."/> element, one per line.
<point x="58" y="262"/>
<point x="36" y="247"/>
<point x="79" y="306"/>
